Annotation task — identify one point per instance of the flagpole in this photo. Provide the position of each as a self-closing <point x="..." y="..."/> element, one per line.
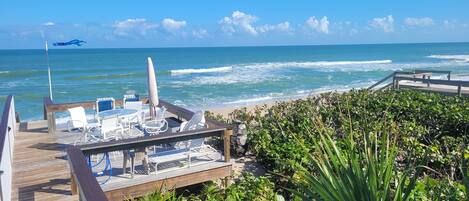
<point x="48" y="72"/>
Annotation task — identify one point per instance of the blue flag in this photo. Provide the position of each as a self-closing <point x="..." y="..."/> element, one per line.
<point x="72" y="42"/>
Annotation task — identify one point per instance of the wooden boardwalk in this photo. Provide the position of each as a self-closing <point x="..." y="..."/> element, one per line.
<point x="437" y="88"/>
<point x="40" y="169"/>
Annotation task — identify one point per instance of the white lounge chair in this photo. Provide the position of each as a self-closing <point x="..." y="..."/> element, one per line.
<point x="188" y="149"/>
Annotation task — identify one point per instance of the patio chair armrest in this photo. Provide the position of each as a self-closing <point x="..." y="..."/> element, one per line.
<point x="70" y="125"/>
<point x="165" y="125"/>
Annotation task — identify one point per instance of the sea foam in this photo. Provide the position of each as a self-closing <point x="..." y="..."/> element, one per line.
<point x="201" y="70"/>
<point x="250" y="100"/>
<point x="316" y="63"/>
<point x="457" y="57"/>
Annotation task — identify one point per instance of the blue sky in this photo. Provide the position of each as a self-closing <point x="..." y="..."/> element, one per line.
<point x="26" y="24"/>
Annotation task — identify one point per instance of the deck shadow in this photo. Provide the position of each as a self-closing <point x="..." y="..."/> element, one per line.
<point x="50" y="146"/>
<point x="27" y="192"/>
<point x="24" y="127"/>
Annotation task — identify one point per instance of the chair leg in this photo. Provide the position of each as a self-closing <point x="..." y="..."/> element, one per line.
<point x="124" y="162"/>
<point x="189" y="160"/>
<point x="132" y="166"/>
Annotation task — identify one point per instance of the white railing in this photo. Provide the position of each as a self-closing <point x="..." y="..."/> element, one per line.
<point x="7" y="133"/>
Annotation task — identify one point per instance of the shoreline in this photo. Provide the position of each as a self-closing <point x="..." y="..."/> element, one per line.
<point x="225" y="110"/>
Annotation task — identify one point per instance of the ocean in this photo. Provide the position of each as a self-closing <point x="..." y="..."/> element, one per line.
<point x="213" y="77"/>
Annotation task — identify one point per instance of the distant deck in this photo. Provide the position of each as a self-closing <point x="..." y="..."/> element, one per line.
<point x="44" y="168"/>
<point x="436" y="88"/>
<point x="422" y="80"/>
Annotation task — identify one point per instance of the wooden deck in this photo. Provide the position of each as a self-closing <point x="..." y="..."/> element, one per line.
<point x="40" y="169"/>
<point x="421" y="80"/>
<point x="437" y="88"/>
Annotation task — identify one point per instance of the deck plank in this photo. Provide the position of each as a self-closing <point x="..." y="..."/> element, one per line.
<point x="39" y="169"/>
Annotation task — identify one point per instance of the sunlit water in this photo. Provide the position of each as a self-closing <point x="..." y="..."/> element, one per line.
<point x="212" y="77"/>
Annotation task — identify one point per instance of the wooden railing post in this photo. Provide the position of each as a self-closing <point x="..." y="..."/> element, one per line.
<point x="227" y="144"/>
<point x="73" y="184"/>
<point x="49" y="115"/>
<point x="396" y="83"/>
<point x="83" y="181"/>
<point x="459" y="90"/>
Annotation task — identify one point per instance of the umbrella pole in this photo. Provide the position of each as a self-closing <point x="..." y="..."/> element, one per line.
<point x="48" y="72"/>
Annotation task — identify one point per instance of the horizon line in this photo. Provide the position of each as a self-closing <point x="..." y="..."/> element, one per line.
<point x="242" y="46"/>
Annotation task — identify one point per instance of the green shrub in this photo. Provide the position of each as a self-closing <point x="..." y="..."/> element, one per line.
<point x="355" y="171"/>
<point x="425" y="123"/>
<point x="247" y="188"/>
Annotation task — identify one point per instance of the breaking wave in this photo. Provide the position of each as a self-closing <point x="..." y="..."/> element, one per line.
<point x="316" y="63"/>
<point x="457" y="57"/>
<point x="202" y="70"/>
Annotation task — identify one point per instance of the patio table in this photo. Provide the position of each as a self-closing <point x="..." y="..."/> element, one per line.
<point x="118" y="112"/>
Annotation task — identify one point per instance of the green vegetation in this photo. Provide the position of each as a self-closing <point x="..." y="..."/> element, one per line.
<point x="247" y="188"/>
<point x="391" y="145"/>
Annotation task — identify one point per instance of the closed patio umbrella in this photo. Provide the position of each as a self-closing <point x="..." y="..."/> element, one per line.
<point x="152" y="88"/>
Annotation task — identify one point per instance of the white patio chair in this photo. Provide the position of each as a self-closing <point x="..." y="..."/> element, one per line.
<point x="111" y="128"/>
<point x="128" y="122"/>
<point x="190" y="149"/>
<point x="134" y="105"/>
<point x="79" y="121"/>
<point x="158" y="124"/>
<point x="130" y="97"/>
<point x="103" y="104"/>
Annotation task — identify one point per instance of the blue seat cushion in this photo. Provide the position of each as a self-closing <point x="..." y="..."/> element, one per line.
<point x="105" y="105"/>
<point x="135" y="98"/>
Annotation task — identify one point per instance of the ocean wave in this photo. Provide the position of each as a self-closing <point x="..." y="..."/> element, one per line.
<point x="457" y="57"/>
<point x="316" y="63"/>
<point x="250" y="100"/>
<point x="201" y="70"/>
<point x="20" y="73"/>
<point x="107" y="76"/>
<point x="302" y="93"/>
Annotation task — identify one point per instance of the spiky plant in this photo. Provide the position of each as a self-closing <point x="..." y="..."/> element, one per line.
<point x="354" y="171"/>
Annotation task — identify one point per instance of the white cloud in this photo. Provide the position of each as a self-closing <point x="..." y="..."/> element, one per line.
<point x="172" y="25"/>
<point x="200" y="33"/>
<point x="384" y="23"/>
<point x="138" y="26"/>
<point x="321" y="26"/>
<point x="425" y="21"/>
<point x="283" y="27"/>
<point x="239" y="21"/>
<point x="48" y="24"/>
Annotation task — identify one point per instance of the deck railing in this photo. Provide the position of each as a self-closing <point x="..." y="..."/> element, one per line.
<point x="50" y="108"/>
<point x="395" y="74"/>
<point x="456" y="83"/>
<point x="86" y="185"/>
<point x="7" y="136"/>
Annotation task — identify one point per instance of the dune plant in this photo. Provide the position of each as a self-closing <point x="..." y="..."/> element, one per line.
<point x="161" y="194"/>
<point x="355" y="171"/>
